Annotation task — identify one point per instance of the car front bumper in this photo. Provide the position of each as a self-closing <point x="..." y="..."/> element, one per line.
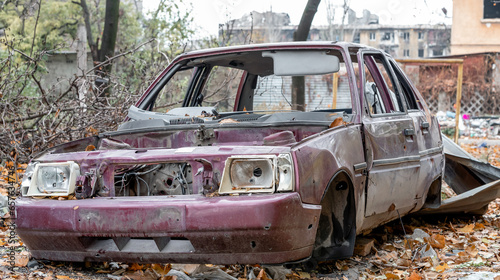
<point x="245" y="229"/>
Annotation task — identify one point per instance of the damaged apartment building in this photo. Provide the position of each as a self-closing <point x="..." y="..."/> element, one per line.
<point x="411" y="41"/>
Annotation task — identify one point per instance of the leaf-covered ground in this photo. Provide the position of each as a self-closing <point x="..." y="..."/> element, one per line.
<point x="411" y="248"/>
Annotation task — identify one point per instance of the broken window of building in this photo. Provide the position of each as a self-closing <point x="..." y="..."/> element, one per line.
<point x="387" y="36"/>
<point x="420" y="35"/>
<point x="406" y="36"/>
<point x="491" y="9"/>
<point x="356" y="38"/>
<point x="437" y="52"/>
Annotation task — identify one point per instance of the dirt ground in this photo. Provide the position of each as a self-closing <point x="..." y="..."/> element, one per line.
<point x="414" y="247"/>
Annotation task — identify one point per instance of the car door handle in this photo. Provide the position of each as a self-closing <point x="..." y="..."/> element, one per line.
<point x="424" y="125"/>
<point x="409" y="131"/>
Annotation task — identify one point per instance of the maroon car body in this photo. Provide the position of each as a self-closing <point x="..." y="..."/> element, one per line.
<point x="220" y="162"/>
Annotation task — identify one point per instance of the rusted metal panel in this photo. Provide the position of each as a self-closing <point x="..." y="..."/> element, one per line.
<point x="246" y="229"/>
<point x="476" y="183"/>
<point x="474" y="201"/>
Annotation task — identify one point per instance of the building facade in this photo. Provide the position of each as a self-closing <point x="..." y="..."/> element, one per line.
<point x="403" y="41"/>
<point x="476" y="26"/>
<point x="410" y="41"/>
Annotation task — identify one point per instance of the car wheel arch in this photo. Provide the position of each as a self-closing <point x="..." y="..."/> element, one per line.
<point x="337" y="224"/>
<point x="433" y="194"/>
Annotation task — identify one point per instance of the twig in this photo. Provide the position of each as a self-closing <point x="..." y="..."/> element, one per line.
<point x="389" y="265"/>
<point x="118" y="55"/>
<point x="36" y="24"/>
<point x="37" y="115"/>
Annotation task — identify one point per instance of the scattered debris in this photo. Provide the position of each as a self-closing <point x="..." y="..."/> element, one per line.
<point x="363" y="246"/>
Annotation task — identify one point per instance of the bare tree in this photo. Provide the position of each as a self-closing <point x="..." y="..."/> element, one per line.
<point x="305" y="22"/>
<point x="106" y="49"/>
<point x="330" y="17"/>
<point x="345" y="11"/>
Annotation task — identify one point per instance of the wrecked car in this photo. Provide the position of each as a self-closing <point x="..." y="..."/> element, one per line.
<point x="271" y="153"/>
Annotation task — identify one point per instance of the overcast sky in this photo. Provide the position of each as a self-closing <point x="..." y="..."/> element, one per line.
<point x="208" y="14"/>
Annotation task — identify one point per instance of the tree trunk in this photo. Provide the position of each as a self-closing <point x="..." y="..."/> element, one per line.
<point x="88" y="29"/>
<point x="305" y="22"/>
<point x="298" y="83"/>
<point x="109" y="33"/>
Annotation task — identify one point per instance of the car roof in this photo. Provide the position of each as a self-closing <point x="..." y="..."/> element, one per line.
<point x="284" y="45"/>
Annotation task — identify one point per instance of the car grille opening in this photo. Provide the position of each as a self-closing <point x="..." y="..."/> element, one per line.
<point x="137" y="245"/>
<point x="154" y="179"/>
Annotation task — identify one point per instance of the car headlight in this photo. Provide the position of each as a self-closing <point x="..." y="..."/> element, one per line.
<point x="259" y="173"/>
<point x="51" y="179"/>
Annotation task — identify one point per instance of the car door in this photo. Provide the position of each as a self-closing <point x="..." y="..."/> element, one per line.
<point x="427" y="131"/>
<point x="392" y="154"/>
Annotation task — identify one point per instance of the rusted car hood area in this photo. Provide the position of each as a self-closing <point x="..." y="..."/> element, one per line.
<point x="193" y="136"/>
<point x="476" y="183"/>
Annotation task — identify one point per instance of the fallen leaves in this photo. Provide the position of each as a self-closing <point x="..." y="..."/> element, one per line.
<point x="415" y="276"/>
<point x="437" y="241"/>
<point x="467" y="229"/>
<point x="22" y="258"/>
<point x="442" y="268"/>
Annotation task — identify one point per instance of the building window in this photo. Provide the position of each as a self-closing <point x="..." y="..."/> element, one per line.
<point x="420" y="35"/>
<point x="406" y="36"/>
<point x="356" y="38"/>
<point x="420" y="52"/>
<point x="387" y="36"/>
<point x="491" y="9"/>
<point x="437" y="52"/>
<point x="406" y="53"/>
<point x="372" y="36"/>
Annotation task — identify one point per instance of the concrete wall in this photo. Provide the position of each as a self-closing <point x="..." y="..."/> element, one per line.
<point x="62" y="69"/>
<point x="471" y="33"/>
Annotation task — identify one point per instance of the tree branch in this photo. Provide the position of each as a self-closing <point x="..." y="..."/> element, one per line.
<point x="118" y="55"/>
<point x="88" y="28"/>
<point x="36" y="24"/>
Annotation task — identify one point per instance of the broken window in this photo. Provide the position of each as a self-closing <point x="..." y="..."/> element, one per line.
<point x="381" y="92"/>
<point x="221" y="88"/>
<point x="491" y="9"/>
<point x="356" y="38"/>
<point x="387" y="36"/>
<point x="173" y="92"/>
<point x="322" y="92"/>
<point x="437" y="52"/>
<point x="420" y="52"/>
<point x="406" y="36"/>
<point x="407" y="91"/>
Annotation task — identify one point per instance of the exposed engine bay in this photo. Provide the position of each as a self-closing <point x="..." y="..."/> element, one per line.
<point x="157" y="179"/>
